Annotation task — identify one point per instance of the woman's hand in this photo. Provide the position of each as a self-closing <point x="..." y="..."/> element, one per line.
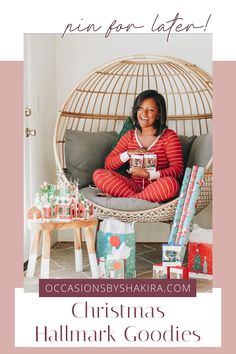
<point x="138" y="151"/>
<point x="138" y="172"/>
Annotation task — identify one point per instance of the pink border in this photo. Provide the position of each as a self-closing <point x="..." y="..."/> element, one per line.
<point x="11" y="74"/>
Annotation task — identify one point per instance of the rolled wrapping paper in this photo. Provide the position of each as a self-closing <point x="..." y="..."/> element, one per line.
<point x="186" y="203"/>
<point x="185" y="233"/>
<point x="179" y="208"/>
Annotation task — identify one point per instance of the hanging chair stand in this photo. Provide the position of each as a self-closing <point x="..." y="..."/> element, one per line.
<point x="103" y="100"/>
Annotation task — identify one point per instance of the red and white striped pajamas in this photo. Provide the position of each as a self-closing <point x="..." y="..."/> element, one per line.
<point x="168" y="149"/>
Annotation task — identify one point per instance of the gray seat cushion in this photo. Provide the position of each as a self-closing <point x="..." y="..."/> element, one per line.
<point x="123" y="204"/>
<point x="201" y="151"/>
<point x="86" y="152"/>
<point x="186" y="142"/>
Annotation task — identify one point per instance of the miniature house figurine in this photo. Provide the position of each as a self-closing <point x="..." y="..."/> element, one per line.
<point x="47" y="211"/>
<point x="64" y="208"/>
<point x="81" y="209"/>
<point x="34" y="213"/>
<point x="61" y="201"/>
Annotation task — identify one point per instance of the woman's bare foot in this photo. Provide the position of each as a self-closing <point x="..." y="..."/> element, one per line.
<point x="104" y="195"/>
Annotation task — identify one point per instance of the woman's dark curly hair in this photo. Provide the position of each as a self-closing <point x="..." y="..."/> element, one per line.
<point x="160" y="123"/>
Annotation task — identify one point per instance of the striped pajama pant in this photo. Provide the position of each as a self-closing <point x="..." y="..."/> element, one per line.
<point x="116" y="185"/>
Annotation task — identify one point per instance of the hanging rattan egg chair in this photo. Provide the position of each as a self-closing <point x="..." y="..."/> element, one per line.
<point x="103" y="100"/>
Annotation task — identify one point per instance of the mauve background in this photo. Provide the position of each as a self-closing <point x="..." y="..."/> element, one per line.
<point x="11" y="98"/>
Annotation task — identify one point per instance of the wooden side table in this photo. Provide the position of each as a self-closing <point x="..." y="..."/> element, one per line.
<point x="46" y="228"/>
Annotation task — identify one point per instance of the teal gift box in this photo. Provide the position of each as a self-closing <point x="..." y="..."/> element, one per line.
<point x="116" y="249"/>
<point x="173" y="255"/>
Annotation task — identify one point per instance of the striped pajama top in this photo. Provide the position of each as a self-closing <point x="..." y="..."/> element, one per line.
<point x="167" y="147"/>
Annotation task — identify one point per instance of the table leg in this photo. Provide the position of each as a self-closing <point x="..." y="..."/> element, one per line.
<point x="45" y="263"/>
<point x="90" y="237"/>
<point x="33" y="255"/>
<point x="78" y="250"/>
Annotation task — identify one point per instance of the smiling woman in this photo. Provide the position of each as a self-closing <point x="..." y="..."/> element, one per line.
<point x="150" y="136"/>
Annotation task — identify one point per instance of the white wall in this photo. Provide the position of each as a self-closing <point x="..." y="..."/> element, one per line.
<point x="40" y="96"/>
<point x="77" y="55"/>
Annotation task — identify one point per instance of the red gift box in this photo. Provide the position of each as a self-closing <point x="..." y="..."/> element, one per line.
<point x="200" y="253"/>
<point x="200" y="260"/>
<point x="178" y="272"/>
<point x="169" y="272"/>
<point x="160" y="271"/>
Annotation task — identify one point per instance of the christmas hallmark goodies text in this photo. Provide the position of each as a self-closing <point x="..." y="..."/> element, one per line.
<point x="133" y="332"/>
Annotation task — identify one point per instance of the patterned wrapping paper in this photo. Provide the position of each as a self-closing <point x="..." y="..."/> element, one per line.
<point x="184" y="236"/>
<point x="179" y="208"/>
<point x="186" y="203"/>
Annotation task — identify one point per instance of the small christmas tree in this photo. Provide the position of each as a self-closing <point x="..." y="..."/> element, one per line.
<point x="205" y="266"/>
<point x="197" y="262"/>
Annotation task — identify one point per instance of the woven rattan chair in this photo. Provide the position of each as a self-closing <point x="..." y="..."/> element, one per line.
<point x="103" y="100"/>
